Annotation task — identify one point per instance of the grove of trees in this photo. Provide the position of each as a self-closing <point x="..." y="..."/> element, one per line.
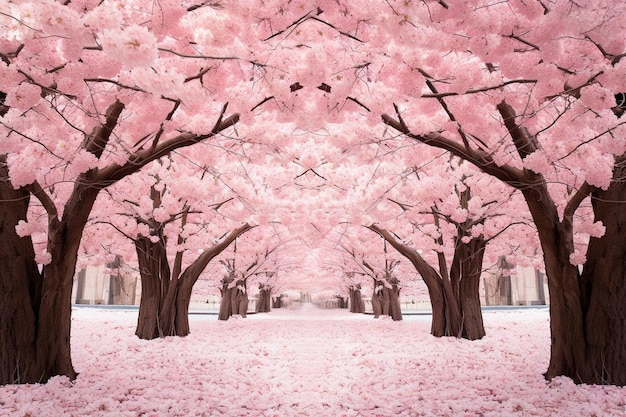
<point x="459" y="132"/>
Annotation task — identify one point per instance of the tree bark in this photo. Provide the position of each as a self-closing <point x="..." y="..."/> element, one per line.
<point x="277" y="302"/>
<point x="603" y="287"/>
<point x="47" y="297"/>
<point x="20" y="288"/>
<point x="225" y="306"/>
<point x="154" y="282"/>
<point x="234" y="300"/>
<point x="468" y="260"/>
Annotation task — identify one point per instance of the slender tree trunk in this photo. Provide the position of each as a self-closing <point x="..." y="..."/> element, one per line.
<point x="395" y="310"/>
<point x="264" y="300"/>
<point x="356" y="301"/>
<point x="377" y="306"/>
<point x="225" y="306"/>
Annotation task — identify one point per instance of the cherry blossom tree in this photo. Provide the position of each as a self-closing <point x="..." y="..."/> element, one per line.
<point x="526" y="94"/>
<point x="460" y="220"/>
<point x="93" y="92"/>
<point x="369" y="265"/>
<point x="89" y="101"/>
<point x="242" y="270"/>
<point x="184" y="214"/>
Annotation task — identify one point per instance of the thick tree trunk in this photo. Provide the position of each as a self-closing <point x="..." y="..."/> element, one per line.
<point x="154" y="283"/>
<point x="567" y="349"/>
<point x="49" y="313"/>
<point x="53" y="334"/>
<point x="342" y="302"/>
<point x="234" y="301"/>
<point x="243" y="305"/>
<point x="469" y="262"/>
<point x="587" y="311"/>
<point x="603" y="285"/>
<point x="385" y="301"/>
<point x="164" y="311"/>
<point x="20" y="288"/>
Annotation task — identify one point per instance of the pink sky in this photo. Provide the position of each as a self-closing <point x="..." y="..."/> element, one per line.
<point x="310" y="362"/>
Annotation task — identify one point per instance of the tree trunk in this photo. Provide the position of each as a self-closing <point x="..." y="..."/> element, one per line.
<point x="342" y="302"/>
<point x="243" y="305"/>
<point x="48" y="313"/>
<point x="587" y="311"/>
<point x="567" y="348"/>
<point x="395" y="310"/>
<point x="603" y="285"/>
<point x="385" y="301"/>
<point x="53" y="334"/>
<point x="357" y="305"/>
<point x="20" y="288"/>
<point x="154" y="283"/>
<point x="377" y="306"/>
<point x="470" y="261"/>
<point x="234" y="301"/>
<point x="225" y="306"/>
<point x="264" y="300"/>
<point x="37" y="330"/>
<point x="277" y="302"/>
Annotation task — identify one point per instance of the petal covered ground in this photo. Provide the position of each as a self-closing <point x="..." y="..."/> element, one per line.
<point x="310" y="362"/>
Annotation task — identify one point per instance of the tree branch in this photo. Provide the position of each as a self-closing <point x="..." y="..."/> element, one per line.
<point x="99" y="137"/>
<point x="479" y="90"/>
<point x="480" y="158"/>
<point x="142" y="157"/>
<point x="524" y="142"/>
<point x="35" y="189"/>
